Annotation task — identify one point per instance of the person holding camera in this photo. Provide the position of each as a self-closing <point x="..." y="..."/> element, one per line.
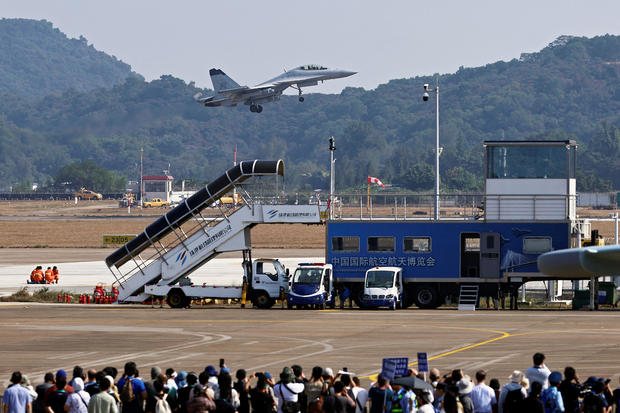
<point x="261" y="399"/>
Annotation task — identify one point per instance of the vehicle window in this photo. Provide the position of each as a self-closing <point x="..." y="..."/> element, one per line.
<point x="490" y="242"/>
<point x="379" y="279"/>
<point x="536" y="245"/>
<point x="309" y="276"/>
<point x="345" y="244"/>
<point x="381" y="244"/>
<point x="472" y="244"/>
<point x="417" y="244"/>
<point x="268" y="269"/>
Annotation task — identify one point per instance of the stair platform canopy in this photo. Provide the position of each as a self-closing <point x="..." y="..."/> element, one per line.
<point x="187" y="236"/>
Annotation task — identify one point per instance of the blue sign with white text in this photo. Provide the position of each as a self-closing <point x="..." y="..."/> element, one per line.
<point x="396" y="366"/>
<point x="422" y="362"/>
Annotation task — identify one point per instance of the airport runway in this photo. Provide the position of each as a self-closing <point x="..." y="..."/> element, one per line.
<point x="82" y="276"/>
<point x="40" y="338"/>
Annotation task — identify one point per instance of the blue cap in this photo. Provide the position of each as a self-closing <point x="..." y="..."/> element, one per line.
<point x="225" y="370"/>
<point x="555" y="377"/>
<point x="181" y="379"/>
<point x="211" y="371"/>
<point x="61" y="374"/>
<point x="267" y="374"/>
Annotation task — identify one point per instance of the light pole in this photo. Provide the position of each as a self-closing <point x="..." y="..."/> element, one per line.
<point x="425" y="99"/>
<point x="332" y="176"/>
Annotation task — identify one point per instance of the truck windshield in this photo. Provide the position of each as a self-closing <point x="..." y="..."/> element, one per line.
<point x="379" y="279"/>
<point x="310" y="276"/>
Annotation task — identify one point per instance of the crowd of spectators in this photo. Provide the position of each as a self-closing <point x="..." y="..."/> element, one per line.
<point x="538" y="390"/>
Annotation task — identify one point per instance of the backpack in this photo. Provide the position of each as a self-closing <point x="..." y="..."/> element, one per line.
<point x="161" y="405"/>
<point x="127" y="395"/>
<point x="592" y="403"/>
<point x="513" y="400"/>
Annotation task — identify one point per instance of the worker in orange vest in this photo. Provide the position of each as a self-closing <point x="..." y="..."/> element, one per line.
<point x="55" y="271"/>
<point x="49" y="275"/>
<point x="32" y="276"/>
<point x="38" y="275"/>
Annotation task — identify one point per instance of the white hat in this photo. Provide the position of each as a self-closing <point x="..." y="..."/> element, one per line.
<point x="516" y="376"/>
<point x="328" y="371"/>
<point x="465" y="385"/>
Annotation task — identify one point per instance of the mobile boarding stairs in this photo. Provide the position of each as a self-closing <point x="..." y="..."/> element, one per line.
<point x="183" y="239"/>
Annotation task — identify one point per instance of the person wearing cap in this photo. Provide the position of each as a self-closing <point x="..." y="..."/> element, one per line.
<point x="286" y="391"/>
<point x="482" y="396"/>
<point x="77" y="402"/>
<point x="425" y="398"/>
<point x="512" y="394"/>
<point x="60" y="374"/>
<point x="183" y="395"/>
<point x="538" y="372"/>
<point x="551" y="396"/>
<point x="465" y="387"/>
<point x="595" y="400"/>
<point x="56" y="400"/>
<point x="16" y="398"/>
<point x="212" y="381"/>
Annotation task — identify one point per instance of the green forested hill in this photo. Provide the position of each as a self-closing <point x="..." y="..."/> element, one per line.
<point x="569" y="90"/>
<point x="37" y="60"/>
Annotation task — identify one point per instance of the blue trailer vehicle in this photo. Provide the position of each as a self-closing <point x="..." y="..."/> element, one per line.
<point x="528" y="208"/>
<point x="312" y="286"/>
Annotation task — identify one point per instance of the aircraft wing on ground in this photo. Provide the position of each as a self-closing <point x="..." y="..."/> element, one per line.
<point x="583" y="262"/>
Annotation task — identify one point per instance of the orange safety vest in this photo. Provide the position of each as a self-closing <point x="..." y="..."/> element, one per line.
<point x="55" y="274"/>
<point x="38" y="276"/>
<point x="49" y="276"/>
<point x="32" y="275"/>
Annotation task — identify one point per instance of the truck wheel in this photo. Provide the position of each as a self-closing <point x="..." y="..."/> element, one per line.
<point x="393" y="306"/>
<point x="176" y="298"/>
<point x="426" y="297"/>
<point x="262" y="300"/>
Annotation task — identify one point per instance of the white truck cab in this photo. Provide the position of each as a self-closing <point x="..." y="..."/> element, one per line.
<point x="266" y="278"/>
<point x="312" y="285"/>
<point x="383" y="287"/>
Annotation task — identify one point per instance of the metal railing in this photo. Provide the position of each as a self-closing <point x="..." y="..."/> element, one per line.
<point x="462" y="206"/>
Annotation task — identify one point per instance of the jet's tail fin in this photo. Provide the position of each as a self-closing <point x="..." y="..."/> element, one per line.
<point x="221" y="81"/>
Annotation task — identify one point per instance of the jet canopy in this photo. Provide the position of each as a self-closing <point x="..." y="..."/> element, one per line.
<point x="312" y="67"/>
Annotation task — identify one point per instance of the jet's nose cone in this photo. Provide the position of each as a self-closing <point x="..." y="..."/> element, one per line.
<point x="347" y="73"/>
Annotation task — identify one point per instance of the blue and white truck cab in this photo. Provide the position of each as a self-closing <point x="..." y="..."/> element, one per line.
<point x="312" y="285"/>
<point x="383" y="287"/>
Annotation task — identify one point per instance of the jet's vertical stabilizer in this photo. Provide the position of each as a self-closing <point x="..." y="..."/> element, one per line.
<point x="221" y="81"/>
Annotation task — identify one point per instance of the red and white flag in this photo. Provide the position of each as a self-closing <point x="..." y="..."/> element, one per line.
<point x="373" y="180"/>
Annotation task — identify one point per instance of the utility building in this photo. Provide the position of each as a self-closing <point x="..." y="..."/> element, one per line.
<point x="157" y="187"/>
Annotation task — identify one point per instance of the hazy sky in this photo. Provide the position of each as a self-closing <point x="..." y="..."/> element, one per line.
<point x="255" y="40"/>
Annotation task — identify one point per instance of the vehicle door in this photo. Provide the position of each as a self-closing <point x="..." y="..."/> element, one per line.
<point x="489" y="255"/>
<point x="327" y="284"/>
<point x="399" y="286"/>
<point x="266" y="278"/>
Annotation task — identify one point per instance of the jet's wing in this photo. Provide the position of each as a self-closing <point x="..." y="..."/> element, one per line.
<point x="583" y="262"/>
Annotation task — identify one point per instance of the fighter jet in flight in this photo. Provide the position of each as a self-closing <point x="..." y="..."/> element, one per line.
<point x="229" y="93"/>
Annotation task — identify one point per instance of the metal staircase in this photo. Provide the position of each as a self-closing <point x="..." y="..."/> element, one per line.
<point x="468" y="297"/>
<point x="184" y="239"/>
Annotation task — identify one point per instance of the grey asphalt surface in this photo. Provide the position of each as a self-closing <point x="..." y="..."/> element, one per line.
<point x="37" y="338"/>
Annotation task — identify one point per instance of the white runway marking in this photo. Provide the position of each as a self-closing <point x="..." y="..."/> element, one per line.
<point x="250" y="342"/>
<point x="326" y="349"/>
<point x="203" y="339"/>
<point x="73" y="355"/>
